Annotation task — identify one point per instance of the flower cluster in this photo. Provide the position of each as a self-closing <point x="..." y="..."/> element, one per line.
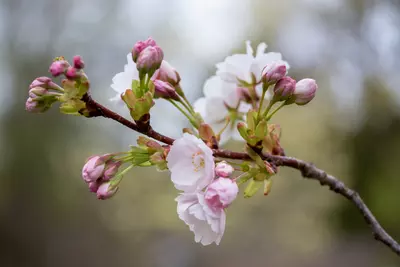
<point x="239" y="102"/>
<point x="205" y="196"/>
<point x="241" y="83"/>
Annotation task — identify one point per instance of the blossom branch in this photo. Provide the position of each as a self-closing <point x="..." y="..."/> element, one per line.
<point x="95" y="110"/>
<point x="307" y="170"/>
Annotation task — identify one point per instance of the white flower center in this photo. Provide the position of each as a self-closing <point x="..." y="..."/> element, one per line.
<point x="198" y="161"/>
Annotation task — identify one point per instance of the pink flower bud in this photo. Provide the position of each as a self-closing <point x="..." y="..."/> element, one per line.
<point x="273" y="72"/>
<point x="165" y="90"/>
<point x="40" y="82"/>
<point x="37" y="91"/>
<point x="223" y="169"/>
<point x="93" y="169"/>
<point x="94" y="186"/>
<point x="106" y="190"/>
<point x="78" y="62"/>
<point x="71" y="73"/>
<point x="149" y="60"/>
<point x="140" y="46"/>
<point x="34" y="106"/>
<point x="58" y="67"/>
<point x="221" y="193"/>
<point x="167" y="73"/>
<point x="305" y="91"/>
<point x="111" y="170"/>
<point x="284" y="88"/>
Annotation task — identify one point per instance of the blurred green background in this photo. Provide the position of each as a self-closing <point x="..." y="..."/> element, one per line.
<point x="351" y="129"/>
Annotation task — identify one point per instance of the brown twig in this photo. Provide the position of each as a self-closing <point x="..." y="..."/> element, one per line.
<point x="307" y="170"/>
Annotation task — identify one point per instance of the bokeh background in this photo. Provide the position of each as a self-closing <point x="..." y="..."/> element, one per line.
<point x="352" y="130"/>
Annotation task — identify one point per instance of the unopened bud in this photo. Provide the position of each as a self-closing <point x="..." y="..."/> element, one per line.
<point x="94" y="186"/>
<point x="273" y="72"/>
<point x="149" y="60"/>
<point x="58" y="67"/>
<point x="305" y="91"/>
<point x="71" y="73"/>
<point x="167" y="73"/>
<point x="140" y="46"/>
<point x="78" y="62"/>
<point x="94" y="167"/>
<point x="165" y="90"/>
<point x="221" y="193"/>
<point x="106" y="191"/>
<point x="37" y="91"/>
<point x="40" y="82"/>
<point x="284" y="89"/>
<point x="223" y="169"/>
<point x="34" y="106"/>
<point x="111" y="170"/>
<point x="243" y="130"/>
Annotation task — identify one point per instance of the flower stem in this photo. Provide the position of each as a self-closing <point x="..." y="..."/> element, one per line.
<point x="261" y="104"/>
<point x="270" y="104"/>
<point x="275" y="111"/>
<point x="189" y="117"/>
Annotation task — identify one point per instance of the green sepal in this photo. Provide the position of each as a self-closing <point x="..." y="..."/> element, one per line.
<point x="72" y="106"/>
<point x="252" y="188"/>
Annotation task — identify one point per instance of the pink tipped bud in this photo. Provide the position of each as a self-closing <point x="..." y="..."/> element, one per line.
<point x="140" y="46"/>
<point x="34" y="106"/>
<point x="40" y="82"/>
<point x="93" y="169"/>
<point x="37" y="91"/>
<point x="221" y="193"/>
<point x="167" y="73"/>
<point x="78" y="62"/>
<point x="58" y="67"/>
<point x="284" y="88"/>
<point x="223" y="169"/>
<point x="305" y="91"/>
<point x="106" y="190"/>
<point x="111" y="170"/>
<point x="94" y="186"/>
<point x="165" y="90"/>
<point x="149" y="60"/>
<point x="273" y="72"/>
<point x="71" y="73"/>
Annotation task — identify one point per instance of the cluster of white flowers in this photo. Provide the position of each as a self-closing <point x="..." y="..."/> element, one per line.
<point x="225" y="89"/>
<point x="205" y="196"/>
<point x="242" y="84"/>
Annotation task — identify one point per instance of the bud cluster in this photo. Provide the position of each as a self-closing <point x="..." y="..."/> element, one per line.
<point x="98" y="173"/>
<point x="286" y="88"/>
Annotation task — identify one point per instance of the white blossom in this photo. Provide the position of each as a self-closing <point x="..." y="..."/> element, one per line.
<point x="191" y="163"/>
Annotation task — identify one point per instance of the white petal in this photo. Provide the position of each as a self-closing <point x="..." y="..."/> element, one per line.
<point x="249" y="49"/>
<point x="261" y="49"/>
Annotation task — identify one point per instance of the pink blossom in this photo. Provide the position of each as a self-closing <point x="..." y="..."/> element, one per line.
<point x="58" y="67"/>
<point x="207" y="223"/>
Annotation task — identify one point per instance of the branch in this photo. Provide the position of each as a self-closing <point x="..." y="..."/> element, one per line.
<point x="95" y="110"/>
<point x="307" y="170"/>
